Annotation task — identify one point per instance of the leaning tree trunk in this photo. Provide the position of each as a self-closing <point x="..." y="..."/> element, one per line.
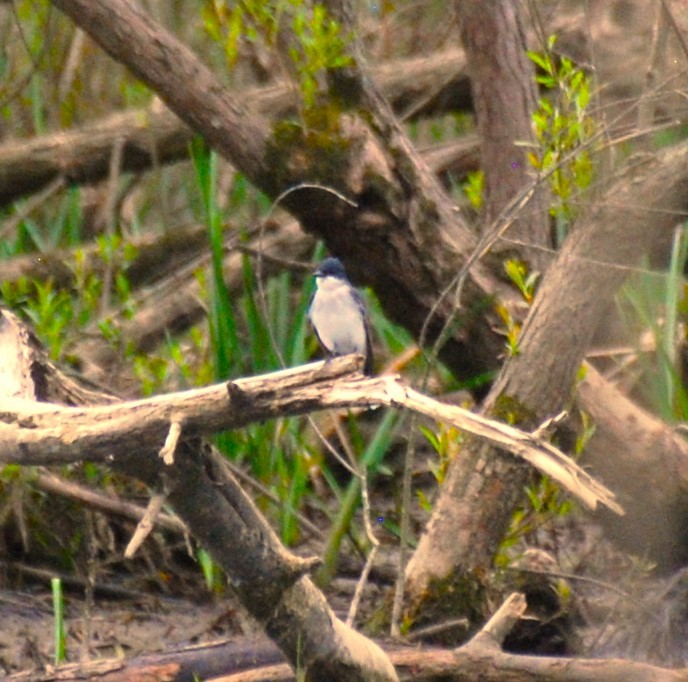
<point x="482" y="488"/>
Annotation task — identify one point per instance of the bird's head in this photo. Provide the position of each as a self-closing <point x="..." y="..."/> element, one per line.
<point x="331" y="267"/>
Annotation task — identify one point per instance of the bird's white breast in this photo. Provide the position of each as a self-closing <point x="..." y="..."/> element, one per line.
<point x="337" y="317"/>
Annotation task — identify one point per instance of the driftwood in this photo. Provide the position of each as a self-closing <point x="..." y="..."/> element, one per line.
<point x="270" y="581"/>
<point x="136" y="437"/>
<point x="34" y="433"/>
<point x="205" y="662"/>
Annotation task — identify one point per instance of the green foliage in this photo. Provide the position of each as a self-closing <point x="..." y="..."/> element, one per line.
<point x="57" y="226"/>
<point x="221" y="319"/>
<point x="320" y="47"/>
<point x="251" y="20"/>
<point x="446" y="442"/>
<point x="562" y="129"/>
<point x="517" y="272"/>
<point x="659" y="302"/>
<point x="512" y="329"/>
<point x="317" y="46"/>
<point x="474" y="187"/>
<point x="212" y="573"/>
<point x="59" y="315"/>
<point x="545" y="501"/>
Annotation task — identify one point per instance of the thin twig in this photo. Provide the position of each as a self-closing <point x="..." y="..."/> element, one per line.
<point x="374" y="542"/>
<point x="109" y="211"/>
<point x="145" y="525"/>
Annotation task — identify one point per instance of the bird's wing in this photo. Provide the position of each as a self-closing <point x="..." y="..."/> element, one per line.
<point x="360" y="302"/>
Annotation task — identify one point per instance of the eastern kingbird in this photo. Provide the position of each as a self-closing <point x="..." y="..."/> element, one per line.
<point x="338" y="314"/>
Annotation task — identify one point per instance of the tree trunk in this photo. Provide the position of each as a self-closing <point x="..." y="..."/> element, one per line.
<point x="504" y="97"/>
<point x="482" y="488"/>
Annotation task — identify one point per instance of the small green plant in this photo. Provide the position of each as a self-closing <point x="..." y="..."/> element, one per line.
<point x="512" y="329"/>
<point x="525" y="281"/>
<point x="212" y="573"/>
<point x="545" y="500"/>
<point x="221" y="318"/>
<point x="562" y="128"/>
<point x="446" y="441"/>
<point x="474" y="187"/>
<point x="320" y="47"/>
<point x="59" y="315"/>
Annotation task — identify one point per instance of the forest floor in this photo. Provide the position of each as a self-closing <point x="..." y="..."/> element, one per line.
<point x="159" y="603"/>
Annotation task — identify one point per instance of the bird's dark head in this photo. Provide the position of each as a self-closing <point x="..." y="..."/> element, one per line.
<point x="331" y="267"/>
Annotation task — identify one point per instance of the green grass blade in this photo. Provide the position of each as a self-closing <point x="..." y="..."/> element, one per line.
<point x="260" y="346"/>
<point x="369" y="462"/>
<point x="222" y="321"/>
<point x="58" y="620"/>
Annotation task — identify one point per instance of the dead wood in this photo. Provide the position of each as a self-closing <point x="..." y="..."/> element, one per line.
<point x="270" y="581"/>
<point x="482" y="658"/>
<point x="132" y="437"/>
<point x="155" y="136"/>
<point x="645" y="460"/>
<point x="51" y="483"/>
<point x="38" y="433"/>
<point x="166" y="263"/>
<point x="204" y="662"/>
<point x="570" y="303"/>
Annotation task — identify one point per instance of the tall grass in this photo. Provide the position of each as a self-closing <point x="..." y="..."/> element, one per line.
<point x="658" y="301"/>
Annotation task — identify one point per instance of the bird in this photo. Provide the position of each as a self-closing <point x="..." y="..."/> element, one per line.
<point x="338" y="314"/>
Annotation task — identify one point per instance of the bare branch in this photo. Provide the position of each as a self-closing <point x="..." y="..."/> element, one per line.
<point x="155" y="135"/>
<point x="32" y="433"/>
<point x="51" y="483"/>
